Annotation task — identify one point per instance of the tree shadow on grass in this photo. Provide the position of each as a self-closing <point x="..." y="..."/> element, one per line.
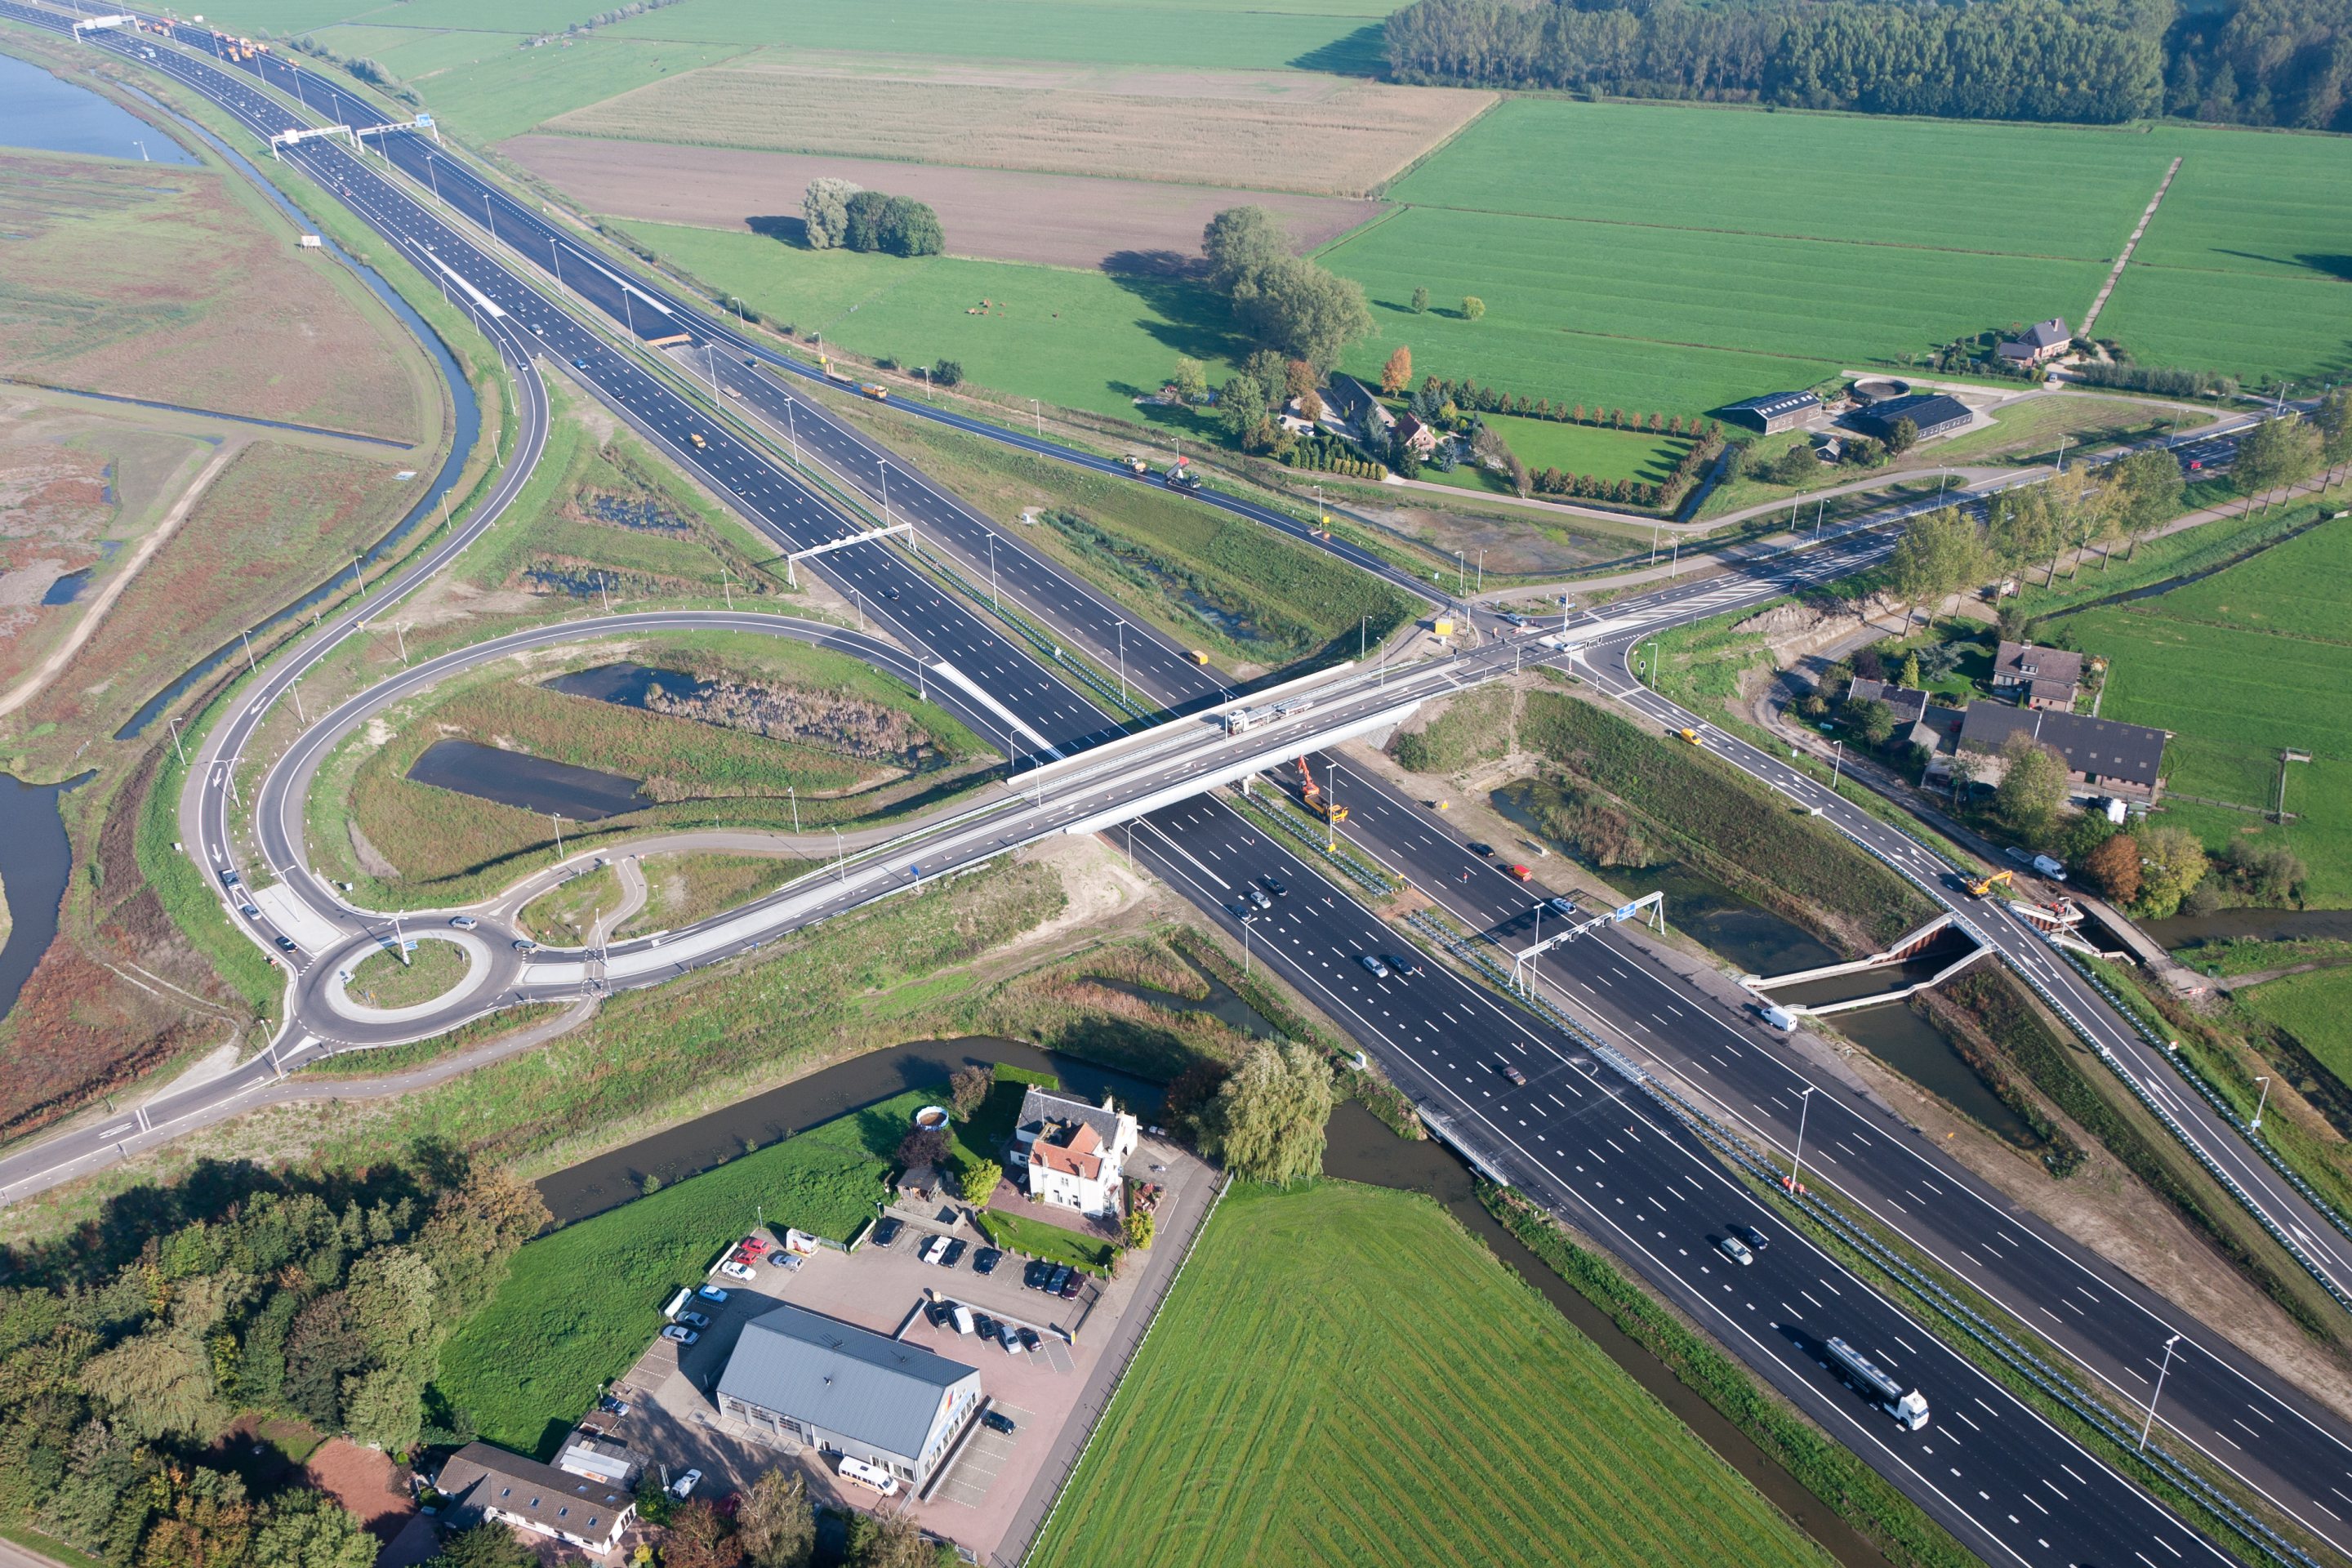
<point x="1363" y="52"/>
<point x="1184" y="315"/>
<point x="791" y="229"/>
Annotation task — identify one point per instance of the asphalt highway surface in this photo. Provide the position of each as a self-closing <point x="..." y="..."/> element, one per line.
<point x="2023" y="1493"/>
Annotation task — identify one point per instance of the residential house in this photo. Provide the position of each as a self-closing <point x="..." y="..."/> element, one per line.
<point x="1419" y="438"/>
<point x="1352" y="402"/>
<point x="2104" y="756"/>
<point x="2041" y="341"/>
<point x="1774" y="411"/>
<point x="481" y="1482"/>
<point x="1075" y="1154"/>
<point x="1918" y="722"/>
<point x="842" y="1390"/>
<point x="2037" y="677"/>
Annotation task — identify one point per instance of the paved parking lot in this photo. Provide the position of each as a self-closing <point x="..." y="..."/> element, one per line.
<point x="995" y="1482"/>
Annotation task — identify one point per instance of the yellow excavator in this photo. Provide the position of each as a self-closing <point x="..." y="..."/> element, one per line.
<point x="1312" y="792"/>
<point x="1984" y="885"/>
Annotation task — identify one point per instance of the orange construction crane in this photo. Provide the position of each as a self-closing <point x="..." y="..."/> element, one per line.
<point x="1984" y="885"/>
<point x="1313" y="795"/>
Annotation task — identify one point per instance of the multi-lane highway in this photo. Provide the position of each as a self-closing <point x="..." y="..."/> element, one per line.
<point x="1198" y="847"/>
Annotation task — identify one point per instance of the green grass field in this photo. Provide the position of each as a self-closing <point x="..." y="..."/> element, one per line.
<point x="2237" y="666"/>
<point x="1343" y="1374"/>
<point x="2316" y="1008"/>
<point x="383" y="979"/>
<point x="579" y="1306"/>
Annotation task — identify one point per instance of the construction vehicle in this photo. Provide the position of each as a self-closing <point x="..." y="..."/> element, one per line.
<point x="695" y="436"/>
<point x="834" y="374"/>
<point x="1908" y="1408"/>
<point x="1137" y="466"/>
<point x="1983" y="885"/>
<point x="1181" y="477"/>
<point x="1312" y="792"/>
<point x="1199" y="657"/>
<point x="875" y="390"/>
<point x="1692" y="736"/>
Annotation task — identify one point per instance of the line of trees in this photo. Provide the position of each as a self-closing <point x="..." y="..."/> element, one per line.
<point x="841" y="214"/>
<point x="2100" y="61"/>
<point x="1429" y="399"/>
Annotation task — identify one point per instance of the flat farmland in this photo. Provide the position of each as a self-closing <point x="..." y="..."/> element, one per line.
<point x="1052" y="220"/>
<point x="183" y="286"/>
<point x="2261" y="327"/>
<point x="489" y="88"/>
<point x="2239" y="666"/>
<point x="1343" y="1374"/>
<point x="2316" y="1008"/>
<point x="1344" y="138"/>
<point x="1588" y="449"/>
<point x="1668" y="318"/>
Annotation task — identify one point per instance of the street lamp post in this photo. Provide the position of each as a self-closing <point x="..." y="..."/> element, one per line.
<point x="1837" y="767"/>
<point x="991" y="571"/>
<point x="1797" y="1160"/>
<point x="2149" y="1424"/>
<point x="1122" y="660"/>
<point x="791" y="793"/>
<point x="557" y="817"/>
<point x="2256" y="1124"/>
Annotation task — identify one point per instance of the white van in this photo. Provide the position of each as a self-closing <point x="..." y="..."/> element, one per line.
<point x="866" y="1474"/>
<point x="963" y="1322"/>
<point x="677" y="1304"/>
<point x="2051" y="868"/>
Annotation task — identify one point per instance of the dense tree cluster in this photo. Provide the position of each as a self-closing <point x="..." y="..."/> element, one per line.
<point x="2264" y="62"/>
<point x="124" y="1357"/>
<point x="2100" y="61"/>
<point x="840" y="215"/>
<point x="1289" y="304"/>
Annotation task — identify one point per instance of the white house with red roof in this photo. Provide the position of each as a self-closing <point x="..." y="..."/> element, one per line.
<point x="1076" y="1154"/>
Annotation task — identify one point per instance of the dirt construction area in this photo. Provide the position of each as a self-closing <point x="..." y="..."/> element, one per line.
<point x="1057" y="220"/>
<point x="991" y="1494"/>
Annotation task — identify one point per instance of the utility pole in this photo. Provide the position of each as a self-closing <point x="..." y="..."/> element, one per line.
<point x="2148" y="1425"/>
<point x="1797" y="1162"/>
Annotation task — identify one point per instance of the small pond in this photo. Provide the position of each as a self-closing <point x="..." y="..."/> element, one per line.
<point x="2261" y="925"/>
<point x="37" y="110"/>
<point x="35" y="861"/>
<point x="534" y="783"/>
<point x="628" y="685"/>
<point x="1913" y="1047"/>
<point x="612" y="1179"/>
<point x="66" y="588"/>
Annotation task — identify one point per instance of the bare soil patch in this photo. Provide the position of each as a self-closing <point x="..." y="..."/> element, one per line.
<point x="1055" y="220"/>
<point x="166" y="283"/>
<point x="1345" y="141"/>
<point x="365" y="1481"/>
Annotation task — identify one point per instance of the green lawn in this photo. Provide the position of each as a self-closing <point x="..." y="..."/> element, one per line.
<point x="382" y="979"/>
<point x="1035" y="1239"/>
<point x="2316" y="1009"/>
<point x="1343" y="1374"/>
<point x="579" y="1305"/>
<point x="2237" y="666"/>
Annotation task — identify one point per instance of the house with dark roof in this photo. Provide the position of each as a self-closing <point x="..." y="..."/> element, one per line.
<point x="1417" y="435"/>
<point x="1933" y="413"/>
<point x="844" y="1390"/>
<point x="2043" y="340"/>
<point x="1355" y="405"/>
<point x="481" y="1482"/>
<point x="1918" y="719"/>
<point x="2104" y="756"/>
<point x="1774" y="411"/>
<point x="2037" y="677"/>
<point x="1074" y="1154"/>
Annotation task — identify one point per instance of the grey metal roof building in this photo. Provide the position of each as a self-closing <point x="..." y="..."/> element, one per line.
<point x="841" y="1389"/>
<point x="1774" y="411"/>
<point x="1934" y="412"/>
<point x="2116" y="757"/>
<point x="484" y="1482"/>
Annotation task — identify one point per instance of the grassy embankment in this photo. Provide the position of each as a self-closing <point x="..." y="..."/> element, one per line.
<point x="871" y="752"/>
<point x="1294" y="1308"/>
<point x="561" y="916"/>
<point x="382" y="980"/>
<point x="683" y="889"/>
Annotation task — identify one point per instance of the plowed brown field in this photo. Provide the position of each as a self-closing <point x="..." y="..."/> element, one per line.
<point x="1058" y="220"/>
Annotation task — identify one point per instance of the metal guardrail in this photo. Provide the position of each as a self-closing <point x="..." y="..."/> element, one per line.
<point x="1020" y="627"/>
<point x="1279" y="817"/>
<point x="2021" y="1359"/>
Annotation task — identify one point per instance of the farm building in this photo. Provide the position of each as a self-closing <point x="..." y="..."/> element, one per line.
<point x="1417" y="436"/>
<point x="2109" y="757"/>
<point x="1917" y="721"/>
<point x="2043" y="340"/>
<point x="1074" y="1154"/>
<point x="1355" y="405"/>
<point x="481" y="1482"/>
<point x="2037" y="677"/>
<point x="843" y="1390"/>
<point x="1775" y="411"/>
<point x="1933" y="413"/>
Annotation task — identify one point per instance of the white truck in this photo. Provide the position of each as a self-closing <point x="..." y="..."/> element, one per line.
<point x="1908" y="1408"/>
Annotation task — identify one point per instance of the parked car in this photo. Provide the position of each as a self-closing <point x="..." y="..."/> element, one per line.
<point x="694" y="1320"/>
<point x="886" y="1232"/>
<point x="682" y="1334"/>
<point x="1475" y="847"/>
<point x="1029" y="1339"/>
<point x="952" y="1256"/>
<point x="1035" y="1273"/>
<point x="683" y="1488"/>
<point x="464" y="922"/>
<point x="985" y="1324"/>
<point x="1069" y="1291"/>
<point x="940" y="1314"/>
<point x="783" y="1259"/>
<point x="996" y="1421"/>
<point x="1057" y="1278"/>
<point x="1752" y="1236"/>
<point x="985" y="1260"/>
<point x="734" y="1270"/>
<point x="1731" y="1247"/>
<point x="1375" y="965"/>
<point x="712" y="1293"/>
<point x="1010" y="1337"/>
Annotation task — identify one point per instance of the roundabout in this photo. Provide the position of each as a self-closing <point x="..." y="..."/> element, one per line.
<point x="442" y="971"/>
